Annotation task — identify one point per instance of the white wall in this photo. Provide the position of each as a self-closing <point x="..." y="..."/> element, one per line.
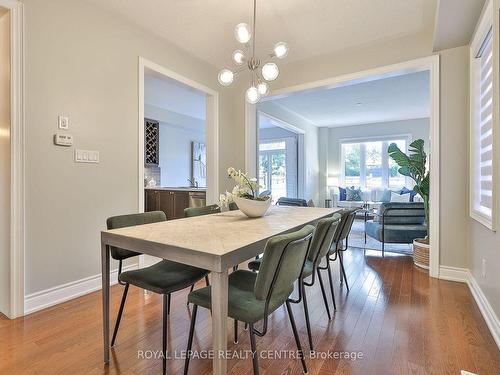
<point x="175" y="153"/>
<point x="416" y="128"/>
<point x="96" y="85"/>
<point x="4" y="161"/>
<point x="311" y="166"/>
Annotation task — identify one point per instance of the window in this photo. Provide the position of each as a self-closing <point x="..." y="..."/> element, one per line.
<point x="272" y="168"/>
<point x="367" y="164"/>
<point x="481" y="135"/>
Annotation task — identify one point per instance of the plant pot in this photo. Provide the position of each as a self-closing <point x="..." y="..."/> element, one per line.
<point x="421" y="249"/>
<point x="251" y="207"/>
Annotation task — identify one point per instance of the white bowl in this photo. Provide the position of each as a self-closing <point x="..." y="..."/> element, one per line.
<point x="252" y="208"/>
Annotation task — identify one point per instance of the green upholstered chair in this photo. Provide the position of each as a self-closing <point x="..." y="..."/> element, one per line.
<point x="233" y="206"/>
<point x="342" y="234"/>
<point x="252" y="297"/>
<point x="164" y="277"/>
<point x="198" y="211"/>
<point x="318" y="250"/>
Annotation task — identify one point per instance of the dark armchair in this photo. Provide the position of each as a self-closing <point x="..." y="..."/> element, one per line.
<point x="397" y="222"/>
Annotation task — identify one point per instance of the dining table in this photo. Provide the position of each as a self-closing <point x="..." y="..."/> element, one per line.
<point x="215" y="242"/>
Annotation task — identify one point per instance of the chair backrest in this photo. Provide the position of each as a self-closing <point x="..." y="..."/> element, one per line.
<point x="282" y="263"/>
<point x="402" y="213"/>
<point x="233" y="206"/>
<point x="284" y="201"/>
<point x="199" y="211"/>
<point x="345" y="226"/>
<point x="123" y="221"/>
<point x="323" y="237"/>
<point x="265" y="193"/>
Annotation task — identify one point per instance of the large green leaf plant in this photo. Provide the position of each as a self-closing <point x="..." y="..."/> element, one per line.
<point x="413" y="165"/>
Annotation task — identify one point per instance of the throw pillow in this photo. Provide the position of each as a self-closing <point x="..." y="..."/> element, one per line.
<point x="412" y="193"/>
<point x="342" y="194"/>
<point x="396" y="197"/>
<point x="353" y="194"/>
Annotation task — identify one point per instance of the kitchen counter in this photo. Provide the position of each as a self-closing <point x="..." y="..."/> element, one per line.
<point x="201" y="189"/>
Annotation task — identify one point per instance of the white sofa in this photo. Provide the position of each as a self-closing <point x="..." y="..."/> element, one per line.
<point x="373" y="196"/>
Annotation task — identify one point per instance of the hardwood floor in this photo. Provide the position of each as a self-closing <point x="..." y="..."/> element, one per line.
<point x="400" y="320"/>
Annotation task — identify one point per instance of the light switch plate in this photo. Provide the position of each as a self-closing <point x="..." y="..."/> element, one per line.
<point x="86" y="156"/>
<point x="63" y="122"/>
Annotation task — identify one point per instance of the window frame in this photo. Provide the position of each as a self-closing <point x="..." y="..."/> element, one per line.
<point x="385" y="163"/>
<point x="482" y="32"/>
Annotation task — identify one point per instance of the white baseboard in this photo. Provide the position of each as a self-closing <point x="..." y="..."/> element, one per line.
<point x="61" y="293"/>
<point x="454" y="274"/>
<point x="487" y="311"/>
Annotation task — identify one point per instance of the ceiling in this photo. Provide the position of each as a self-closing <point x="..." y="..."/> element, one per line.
<point x="397" y="98"/>
<point x="204" y="28"/>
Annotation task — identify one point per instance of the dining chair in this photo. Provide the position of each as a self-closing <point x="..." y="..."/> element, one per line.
<point x="164" y="277"/>
<point x="318" y="250"/>
<point x="336" y="250"/>
<point x="252" y="297"/>
<point x="285" y="201"/>
<point x="204" y="210"/>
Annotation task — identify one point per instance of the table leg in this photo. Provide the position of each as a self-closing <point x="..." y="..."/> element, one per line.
<point x="219" y="321"/>
<point x="105" y="299"/>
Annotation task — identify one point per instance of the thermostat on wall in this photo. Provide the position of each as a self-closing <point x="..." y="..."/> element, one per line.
<point x="63" y="139"/>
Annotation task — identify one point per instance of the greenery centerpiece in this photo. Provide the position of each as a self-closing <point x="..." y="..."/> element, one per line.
<point x="245" y="195"/>
<point x="414" y="165"/>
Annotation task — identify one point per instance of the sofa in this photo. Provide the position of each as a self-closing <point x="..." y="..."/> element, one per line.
<point x="397" y="222"/>
<point x="375" y="196"/>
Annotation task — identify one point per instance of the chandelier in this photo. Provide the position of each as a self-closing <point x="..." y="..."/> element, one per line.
<point x="259" y="76"/>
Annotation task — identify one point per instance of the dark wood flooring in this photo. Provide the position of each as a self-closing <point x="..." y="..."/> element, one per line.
<point x="400" y="320"/>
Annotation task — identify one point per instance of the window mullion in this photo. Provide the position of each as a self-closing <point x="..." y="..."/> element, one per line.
<point x="362" y="169"/>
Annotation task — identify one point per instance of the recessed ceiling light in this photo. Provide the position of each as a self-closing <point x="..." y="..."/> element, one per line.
<point x="359" y="104"/>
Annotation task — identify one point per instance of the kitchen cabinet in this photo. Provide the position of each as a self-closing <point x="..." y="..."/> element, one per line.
<point x="172" y="202"/>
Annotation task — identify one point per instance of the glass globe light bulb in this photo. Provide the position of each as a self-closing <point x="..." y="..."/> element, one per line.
<point x="270" y="71"/>
<point x="238" y="57"/>
<point x="226" y="77"/>
<point x="263" y="88"/>
<point x="281" y="50"/>
<point x="252" y="95"/>
<point x="242" y="33"/>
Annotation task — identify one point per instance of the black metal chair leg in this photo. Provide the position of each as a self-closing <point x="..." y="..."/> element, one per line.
<point x="207" y="282"/>
<point x="296" y="335"/>
<point x="235" y="331"/>
<point x="383" y="248"/>
<point x="166" y="304"/>
<point x="190" y="340"/>
<point x="342" y="273"/>
<point x="330" y="278"/>
<point x="324" y="293"/>
<point x="169" y="298"/>
<point x="120" y="312"/>
<point x="190" y="290"/>
<point x="255" y="359"/>
<point x="306" y="312"/>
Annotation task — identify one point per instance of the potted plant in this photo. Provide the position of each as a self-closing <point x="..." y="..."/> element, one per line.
<point x="414" y="166"/>
<point x="245" y="195"/>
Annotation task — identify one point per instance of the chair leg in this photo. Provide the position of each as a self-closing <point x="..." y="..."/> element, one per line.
<point x="235" y="331"/>
<point x="190" y="340"/>
<point x="235" y="268"/>
<point x="169" y="299"/>
<point x="343" y="274"/>
<point x="255" y="359"/>
<point x="207" y="282"/>
<point x="190" y="290"/>
<point x="324" y="294"/>
<point x="383" y="248"/>
<point x="306" y="312"/>
<point x="330" y="278"/>
<point x="296" y="336"/>
<point x="166" y="304"/>
<point x="120" y="312"/>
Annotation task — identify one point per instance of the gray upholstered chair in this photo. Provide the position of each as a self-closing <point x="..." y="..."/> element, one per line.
<point x="397" y="222"/>
<point x="252" y="297"/>
<point x="164" y="277"/>
<point x="284" y="201"/>
<point x="319" y="248"/>
<point x="198" y="211"/>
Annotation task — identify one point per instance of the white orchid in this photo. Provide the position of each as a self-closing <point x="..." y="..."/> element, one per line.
<point x="245" y="187"/>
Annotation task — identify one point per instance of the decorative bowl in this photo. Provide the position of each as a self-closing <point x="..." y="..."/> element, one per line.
<point x="251" y="207"/>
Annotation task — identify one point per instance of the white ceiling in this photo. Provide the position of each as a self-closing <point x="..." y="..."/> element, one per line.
<point x="204" y="28"/>
<point x="168" y="94"/>
<point x="391" y="99"/>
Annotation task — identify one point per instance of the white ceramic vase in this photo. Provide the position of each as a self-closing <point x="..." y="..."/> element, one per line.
<point x="252" y="208"/>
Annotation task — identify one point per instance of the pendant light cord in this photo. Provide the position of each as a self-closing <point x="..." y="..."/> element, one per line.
<point x="254" y="29"/>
